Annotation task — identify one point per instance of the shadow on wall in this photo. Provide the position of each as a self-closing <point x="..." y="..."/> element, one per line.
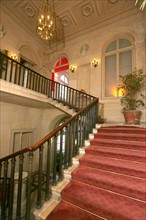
<point x="101" y="119"/>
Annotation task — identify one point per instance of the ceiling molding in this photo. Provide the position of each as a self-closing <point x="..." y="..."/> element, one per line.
<point x="78" y="16"/>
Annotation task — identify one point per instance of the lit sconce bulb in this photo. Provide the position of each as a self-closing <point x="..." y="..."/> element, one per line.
<point x="14" y="57"/>
<point x="94" y="63"/>
<point x="39" y="28"/>
<point x="72" y="68"/>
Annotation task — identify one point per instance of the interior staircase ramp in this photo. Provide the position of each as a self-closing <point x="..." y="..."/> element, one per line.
<point x="110" y="181"/>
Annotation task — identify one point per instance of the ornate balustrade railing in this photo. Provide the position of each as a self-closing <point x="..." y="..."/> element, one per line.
<point x="26" y="176"/>
<point x="14" y="72"/>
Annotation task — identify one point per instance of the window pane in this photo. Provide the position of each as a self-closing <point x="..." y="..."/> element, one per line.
<point x="64" y="79"/>
<point x="124" y="43"/>
<point x="110" y="75"/>
<point x="111" y="47"/>
<point x="125" y="62"/>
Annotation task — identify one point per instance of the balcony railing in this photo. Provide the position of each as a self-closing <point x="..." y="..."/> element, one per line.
<point x="26" y="176"/>
<point x="16" y="73"/>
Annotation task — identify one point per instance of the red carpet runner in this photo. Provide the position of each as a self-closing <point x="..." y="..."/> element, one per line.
<point x="110" y="183"/>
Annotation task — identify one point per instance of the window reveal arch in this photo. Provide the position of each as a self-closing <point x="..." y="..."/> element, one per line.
<point x="118" y="60"/>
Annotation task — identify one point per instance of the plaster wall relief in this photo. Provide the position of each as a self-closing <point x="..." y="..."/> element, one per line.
<point x="84" y="49"/>
<point x="2" y="31"/>
<point x="140" y="45"/>
<point x="30" y="55"/>
<point x="141" y="55"/>
<point x="84" y="72"/>
<point x="113" y="1"/>
<point x="95" y="80"/>
<point x="44" y="66"/>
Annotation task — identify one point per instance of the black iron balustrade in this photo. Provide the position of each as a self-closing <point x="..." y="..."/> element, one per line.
<point x="16" y="73"/>
<point x="42" y="162"/>
<point x="45" y="160"/>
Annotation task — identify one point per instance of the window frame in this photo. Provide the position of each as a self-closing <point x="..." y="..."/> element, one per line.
<point x="117" y="52"/>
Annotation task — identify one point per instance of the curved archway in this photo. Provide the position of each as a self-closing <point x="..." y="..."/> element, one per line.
<point x="27" y="52"/>
<point x="124" y="35"/>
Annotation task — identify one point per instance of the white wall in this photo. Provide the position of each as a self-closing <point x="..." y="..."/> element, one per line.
<point x="17" y="117"/>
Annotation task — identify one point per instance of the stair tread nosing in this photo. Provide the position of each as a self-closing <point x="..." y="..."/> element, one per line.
<point x="123" y="129"/>
<point x="122" y="153"/>
<point x="115" y="165"/>
<point x="125" y="185"/>
<point x="121" y="136"/>
<point x="66" y="211"/>
<point x="136" y="145"/>
<point x="103" y="203"/>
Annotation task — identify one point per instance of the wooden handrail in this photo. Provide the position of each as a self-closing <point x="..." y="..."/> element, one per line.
<point x="48" y="136"/>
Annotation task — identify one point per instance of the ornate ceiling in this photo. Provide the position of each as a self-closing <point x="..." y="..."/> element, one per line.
<point x="78" y="16"/>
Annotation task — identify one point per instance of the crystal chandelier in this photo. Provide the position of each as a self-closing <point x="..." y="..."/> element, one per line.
<point x="50" y="27"/>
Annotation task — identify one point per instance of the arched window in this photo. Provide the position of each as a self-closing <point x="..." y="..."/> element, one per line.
<point x="118" y="60"/>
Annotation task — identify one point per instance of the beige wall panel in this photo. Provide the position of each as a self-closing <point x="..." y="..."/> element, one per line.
<point x="17" y="117"/>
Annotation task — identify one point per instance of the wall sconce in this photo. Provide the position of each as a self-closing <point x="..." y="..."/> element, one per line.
<point x="94" y="63"/>
<point x="72" y="68"/>
<point x="14" y="57"/>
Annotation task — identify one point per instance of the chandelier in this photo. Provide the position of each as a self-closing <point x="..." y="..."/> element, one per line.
<point x="50" y="27"/>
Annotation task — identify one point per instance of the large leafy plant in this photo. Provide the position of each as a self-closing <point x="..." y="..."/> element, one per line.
<point x="142" y="4"/>
<point x="132" y="86"/>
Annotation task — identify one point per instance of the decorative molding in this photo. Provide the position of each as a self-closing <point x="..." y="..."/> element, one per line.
<point x="78" y="17"/>
<point x="113" y="1"/>
<point x="83" y="50"/>
<point x="2" y="31"/>
<point x="87" y="10"/>
<point x="29" y="11"/>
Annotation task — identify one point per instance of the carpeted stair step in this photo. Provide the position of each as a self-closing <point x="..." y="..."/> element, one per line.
<point x="121" y="136"/>
<point x="129" y="186"/>
<point x="110" y="181"/>
<point x="123" y="129"/>
<point x="115" y="165"/>
<point x="103" y="203"/>
<point x="125" y="154"/>
<point x="135" y="145"/>
<point x="66" y="211"/>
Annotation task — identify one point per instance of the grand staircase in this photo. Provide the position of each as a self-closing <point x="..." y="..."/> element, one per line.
<point x="110" y="181"/>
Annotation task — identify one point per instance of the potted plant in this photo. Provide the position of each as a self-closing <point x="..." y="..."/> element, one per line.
<point x="133" y="84"/>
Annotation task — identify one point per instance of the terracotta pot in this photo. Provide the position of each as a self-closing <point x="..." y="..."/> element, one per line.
<point x="132" y="117"/>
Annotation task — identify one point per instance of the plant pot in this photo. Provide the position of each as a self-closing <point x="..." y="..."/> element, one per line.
<point x="132" y="116"/>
